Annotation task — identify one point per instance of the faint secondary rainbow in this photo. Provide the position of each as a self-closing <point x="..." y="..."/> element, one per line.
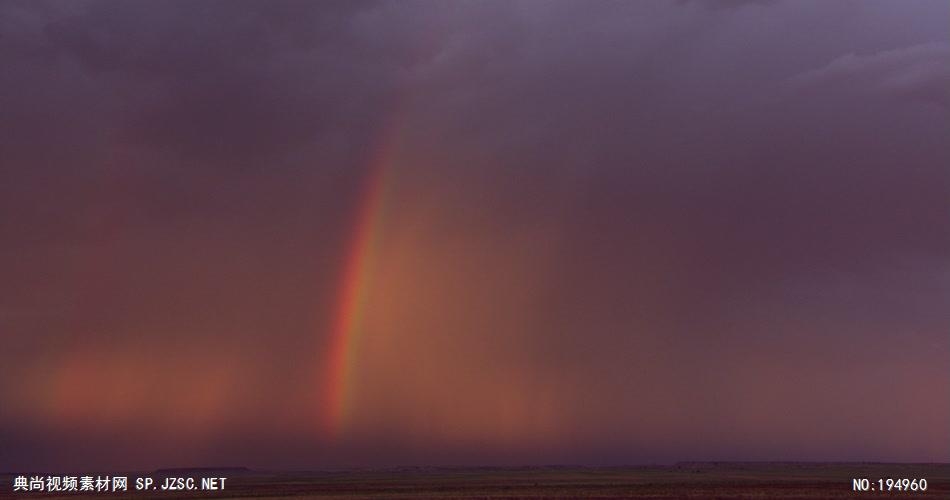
<point x="354" y="286"/>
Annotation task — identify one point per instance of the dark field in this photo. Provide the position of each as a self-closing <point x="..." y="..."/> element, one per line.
<point x="687" y="480"/>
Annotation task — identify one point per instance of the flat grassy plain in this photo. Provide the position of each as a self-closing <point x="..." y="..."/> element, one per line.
<point x="686" y="480"/>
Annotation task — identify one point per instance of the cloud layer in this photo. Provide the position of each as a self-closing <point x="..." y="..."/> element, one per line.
<point x="612" y="232"/>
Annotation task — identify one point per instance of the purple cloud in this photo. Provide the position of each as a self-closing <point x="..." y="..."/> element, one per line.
<point x="920" y="72"/>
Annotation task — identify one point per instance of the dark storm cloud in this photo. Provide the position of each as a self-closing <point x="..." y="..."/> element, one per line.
<point x="180" y="107"/>
<point x="202" y="78"/>
<point x="647" y="147"/>
<point x="628" y="231"/>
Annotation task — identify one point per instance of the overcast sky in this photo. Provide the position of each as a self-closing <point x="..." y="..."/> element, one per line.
<point x="609" y="232"/>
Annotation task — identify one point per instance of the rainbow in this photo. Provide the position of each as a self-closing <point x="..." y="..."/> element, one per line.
<point x="346" y="327"/>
